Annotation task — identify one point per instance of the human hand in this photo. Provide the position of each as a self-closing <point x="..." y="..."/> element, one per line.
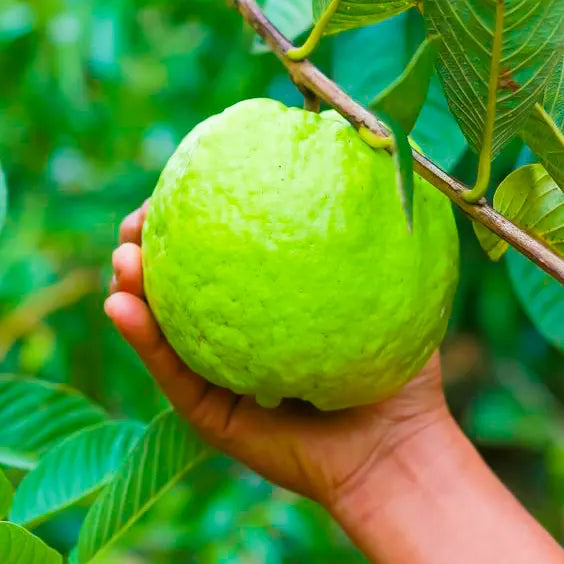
<point x="322" y="455"/>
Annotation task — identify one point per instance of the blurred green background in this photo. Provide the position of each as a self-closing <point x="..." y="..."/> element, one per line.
<point x="94" y="97"/>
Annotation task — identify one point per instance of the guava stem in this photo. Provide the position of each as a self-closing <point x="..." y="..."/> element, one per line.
<point x="303" y="52"/>
<point x="312" y="102"/>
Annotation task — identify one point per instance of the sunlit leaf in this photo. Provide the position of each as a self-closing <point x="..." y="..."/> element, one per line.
<point x="544" y="129"/>
<point x="6" y="493"/>
<point x="18" y="546"/>
<point x="530" y="198"/>
<point x="404" y="98"/>
<point x="541" y="296"/>
<point x="531" y="33"/>
<point x="73" y="469"/>
<point x="3" y="199"/>
<point x="291" y="17"/>
<point x="366" y="61"/>
<point x="358" y="13"/>
<point x="34" y="415"/>
<point x="167" y="452"/>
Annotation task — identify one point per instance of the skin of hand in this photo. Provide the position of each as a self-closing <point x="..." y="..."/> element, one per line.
<point x="321" y="455"/>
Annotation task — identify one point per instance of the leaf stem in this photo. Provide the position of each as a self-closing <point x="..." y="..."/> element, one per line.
<point x="485" y="165"/>
<point x="303" y="52"/>
<point x="375" y="141"/>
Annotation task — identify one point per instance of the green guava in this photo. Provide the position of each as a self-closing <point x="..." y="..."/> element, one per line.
<point x="279" y="263"/>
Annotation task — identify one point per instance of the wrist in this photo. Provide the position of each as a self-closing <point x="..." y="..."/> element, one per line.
<point x="420" y="455"/>
<point x="432" y="499"/>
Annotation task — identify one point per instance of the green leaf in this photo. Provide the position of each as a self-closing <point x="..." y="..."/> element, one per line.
<point x="543" y="130"/>
<point x="366" y="61"/>
<point x="73" y="469"/>
<point x="531" y="37"/>
<point x="358" y="13"/>
<point x="6" y="493"/>
<point x="34" y="415"/>
<point x="530" y="198"/>
<point x="540" y="295"/>
<point x="166" y="453"/>
<point x="291" y="17"/>
<point x="404" y="98"/>
<point x="18" y="546"/>
<point x="3" y="199"/>
<point x="403" y="159"/>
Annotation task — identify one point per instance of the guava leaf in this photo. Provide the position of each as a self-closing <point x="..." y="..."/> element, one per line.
<point x="404" y="98"/>
<point x="544" y="128"/>
<point x="167" y="452"/>
<point x="404" y="165"/>
<point x="6" y="493"/>
<point x="358" y="13"/>
<point x="18" y="546"/>
<point x="530" y="198"/>
<point x="34" y="415"/>
<point x="531" y="33"/>
<point x="3" y="199"/>
<point x="540" y="295"/>
<point x="74" y="469"/>
<point x="367" y="60"/>
<point x="291" y="18"/>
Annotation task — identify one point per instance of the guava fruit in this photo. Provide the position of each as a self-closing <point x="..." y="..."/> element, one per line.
<point x="279" y="263"/>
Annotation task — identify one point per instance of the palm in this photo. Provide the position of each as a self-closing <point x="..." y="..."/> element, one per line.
<point x="294" y="445"/>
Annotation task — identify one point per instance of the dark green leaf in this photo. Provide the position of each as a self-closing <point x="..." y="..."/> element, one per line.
<point x="367" y="60"/>
<point x="541" y="296"/>
<point x="18" y="546"/>
<point x="73" y="469"/>
<point x="6" y="493"/>
<point x="543" y="130"/>
<point x="531" y="199"/>
<point x="167" y="452"/>
<point x="404" y="98"/>
<point x="34" y="415"/>
<point x="358" y="13"/>
<point x="403" y="159"/>
<point x="531" y="34"/>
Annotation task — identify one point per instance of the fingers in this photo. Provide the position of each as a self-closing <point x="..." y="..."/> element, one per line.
<point x="131" y="227"/>
<point x="128" y="270"/>
<point x="134" y="320"/>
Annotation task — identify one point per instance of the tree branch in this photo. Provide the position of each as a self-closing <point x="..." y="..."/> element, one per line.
<point x="309" y="77"/>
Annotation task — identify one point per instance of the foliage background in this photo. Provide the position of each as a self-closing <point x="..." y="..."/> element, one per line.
<point x="94" y="97"/>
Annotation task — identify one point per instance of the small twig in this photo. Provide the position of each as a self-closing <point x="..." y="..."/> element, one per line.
<point x="311" y="78"/>
<point x="39" y="305"/>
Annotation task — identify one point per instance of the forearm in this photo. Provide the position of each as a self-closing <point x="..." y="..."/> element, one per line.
<point x="433" y="500"/>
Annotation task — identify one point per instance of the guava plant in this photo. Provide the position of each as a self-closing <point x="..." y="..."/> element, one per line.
<point x="494" y="68"/>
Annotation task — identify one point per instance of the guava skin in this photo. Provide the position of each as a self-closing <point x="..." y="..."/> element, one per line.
<point x="278" y="261"/>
